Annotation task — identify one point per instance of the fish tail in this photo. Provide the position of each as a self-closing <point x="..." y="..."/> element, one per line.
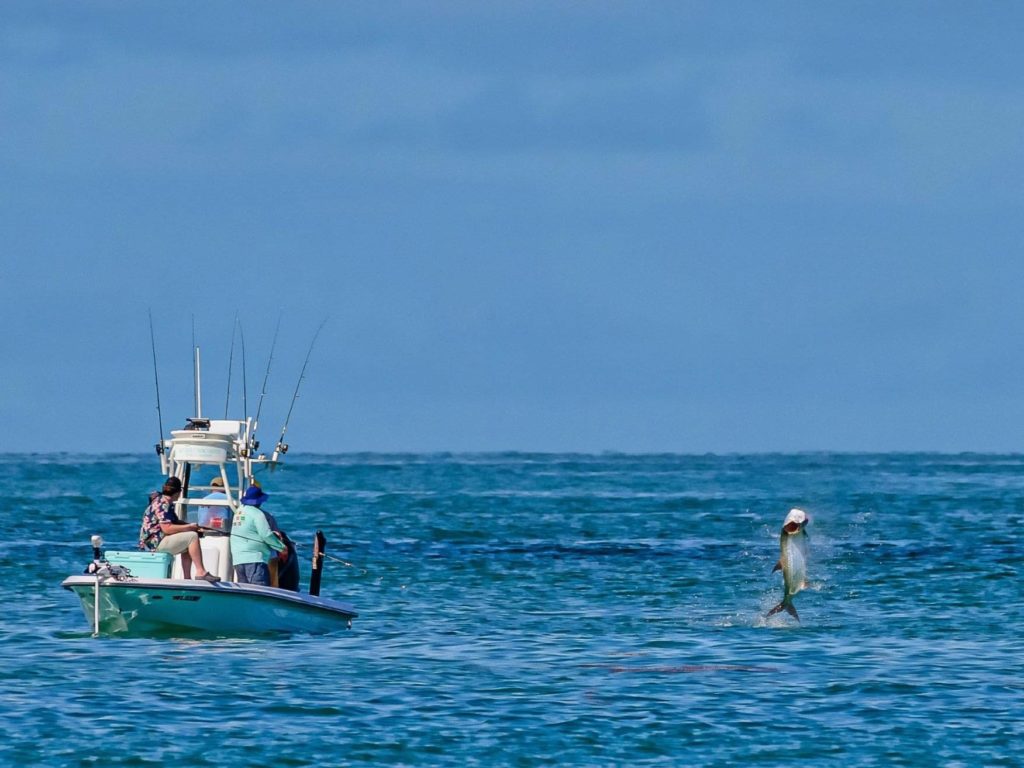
<point x="787" y="606"/>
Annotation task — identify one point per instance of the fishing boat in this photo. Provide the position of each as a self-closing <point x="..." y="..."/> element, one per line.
<point x="147" y="592"/>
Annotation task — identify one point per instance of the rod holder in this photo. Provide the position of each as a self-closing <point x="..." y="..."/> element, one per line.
<point x="319" y="547"/>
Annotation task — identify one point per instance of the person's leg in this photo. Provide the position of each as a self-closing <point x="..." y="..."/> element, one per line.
<point x="252" y="573"/>
<point x="185" y="544"/>
<point x="195" y="554"/>
<point x="262" y="574"/>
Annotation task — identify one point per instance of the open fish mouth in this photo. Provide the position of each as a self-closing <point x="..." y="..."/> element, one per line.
<point x="795" y="521"/>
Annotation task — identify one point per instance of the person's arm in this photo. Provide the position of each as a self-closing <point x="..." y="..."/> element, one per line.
<point x="169" y="522"/>
<point x="169" y="528"/>
<point x="268" y="536"/>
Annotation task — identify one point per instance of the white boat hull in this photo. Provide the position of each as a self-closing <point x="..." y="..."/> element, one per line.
<point x="141" y="605"/>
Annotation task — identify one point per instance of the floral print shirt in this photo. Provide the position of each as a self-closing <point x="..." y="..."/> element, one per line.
<point x="160" y="510"/>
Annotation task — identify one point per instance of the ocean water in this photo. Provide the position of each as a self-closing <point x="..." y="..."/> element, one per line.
<point x="521" y="609"/>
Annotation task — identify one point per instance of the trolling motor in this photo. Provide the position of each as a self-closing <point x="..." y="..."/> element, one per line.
<point x="99" y="565"/>
<point x="96" y="567"/>
<point x="99" y="568"/>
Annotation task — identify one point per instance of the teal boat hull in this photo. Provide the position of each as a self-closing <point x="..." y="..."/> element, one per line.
<point x="145" y="606"/>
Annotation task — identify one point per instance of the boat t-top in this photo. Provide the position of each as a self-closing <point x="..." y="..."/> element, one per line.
<point x="145" y="592"/>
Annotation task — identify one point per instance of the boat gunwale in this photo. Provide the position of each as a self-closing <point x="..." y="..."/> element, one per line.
<point x="221" y="587"/>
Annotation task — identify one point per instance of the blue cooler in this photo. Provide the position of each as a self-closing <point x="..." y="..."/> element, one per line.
<point x="143" y="565"/>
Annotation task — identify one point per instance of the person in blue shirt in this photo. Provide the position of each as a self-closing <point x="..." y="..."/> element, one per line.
<point x="252" y="540"/>
<point x="216" y="517"/>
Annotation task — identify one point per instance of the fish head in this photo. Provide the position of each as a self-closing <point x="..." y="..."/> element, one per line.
<point x="795" y="521"/>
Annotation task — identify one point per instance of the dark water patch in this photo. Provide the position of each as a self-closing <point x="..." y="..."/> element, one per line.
<point x="295" y="710"/>
<point x="681" y="669"/>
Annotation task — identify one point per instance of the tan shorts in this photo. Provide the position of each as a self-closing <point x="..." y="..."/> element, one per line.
<point x="176" y="543"/>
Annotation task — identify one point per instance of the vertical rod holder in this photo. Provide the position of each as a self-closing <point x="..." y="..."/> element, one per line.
<point x="319" y="547"/>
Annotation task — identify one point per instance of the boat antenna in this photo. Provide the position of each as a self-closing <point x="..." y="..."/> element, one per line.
<point x="282" y="447"/>
<point x="231" y="360"/>
<point x="156" y="380"/>
<point x="199" y="389"/>
<point x="195" y="368"/>
<point x="259" y="405"/>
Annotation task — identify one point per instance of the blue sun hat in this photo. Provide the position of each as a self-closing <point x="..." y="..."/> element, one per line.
<point x="254" y="496"/>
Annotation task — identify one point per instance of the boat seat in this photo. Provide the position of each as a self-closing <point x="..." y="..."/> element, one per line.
<point x="216" y="558"/>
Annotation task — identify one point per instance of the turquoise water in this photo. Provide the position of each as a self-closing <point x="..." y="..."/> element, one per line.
<point x="549" y="610"/>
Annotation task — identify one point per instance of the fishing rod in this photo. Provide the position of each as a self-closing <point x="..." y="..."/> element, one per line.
<point x="281" y="446"/>
<point x="259" y="406"/>
<point x="343" y="562"/>
<point x="231" y="360"/>
<point x="245" y="387"/>
<point x="156" y="380"/>
<point x="298" y="547"/>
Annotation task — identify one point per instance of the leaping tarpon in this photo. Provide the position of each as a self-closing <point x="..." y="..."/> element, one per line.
<point x="793" y="544"/>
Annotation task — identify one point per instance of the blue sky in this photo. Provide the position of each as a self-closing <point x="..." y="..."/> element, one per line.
<point x="532" y="226"/>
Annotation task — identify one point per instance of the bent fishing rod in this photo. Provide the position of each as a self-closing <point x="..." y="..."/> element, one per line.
<point x="298" y="547"/>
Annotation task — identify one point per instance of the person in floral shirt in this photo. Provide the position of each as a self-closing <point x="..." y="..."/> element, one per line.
<point x="163" y="531"/>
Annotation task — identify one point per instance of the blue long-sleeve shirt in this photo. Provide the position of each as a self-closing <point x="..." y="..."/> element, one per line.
<point x="251" y="537"/>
